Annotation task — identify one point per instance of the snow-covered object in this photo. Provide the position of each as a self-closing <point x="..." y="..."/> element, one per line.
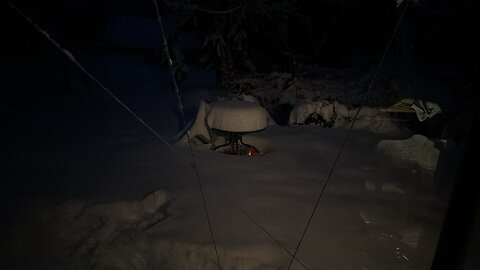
<point x="338" y="115"/>
<point x="327" y="111"/>
<point x="249" y="98"/>
<point x="268" y="98"/>
<point x="341" y="110"/>
<point x="301" y="111"/>
<point x="199" y="127"/>
<point x="233" y="114"/>
<point x="425" y="110"/>
<point x="415" y="153"/>
<point x="237" y="116"/>
<point x="305" y="108"/>
<point x="315" y="83"/>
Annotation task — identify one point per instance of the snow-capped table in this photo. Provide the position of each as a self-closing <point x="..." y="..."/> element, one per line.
<point x="235" y="118"/>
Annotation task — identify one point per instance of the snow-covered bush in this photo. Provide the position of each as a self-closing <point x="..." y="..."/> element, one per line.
<point x="314" y="83"/>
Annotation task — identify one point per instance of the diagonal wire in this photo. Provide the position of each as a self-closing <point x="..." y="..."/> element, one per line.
<point x="180" y="108"/>
<point x="260" y="227"/>
<point x="70" y="56"/>
<point x="347" y="133"/>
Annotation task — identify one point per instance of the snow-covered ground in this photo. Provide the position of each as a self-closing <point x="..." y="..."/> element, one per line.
<point x="371" y="216"/>
<point x="95" y="190"/>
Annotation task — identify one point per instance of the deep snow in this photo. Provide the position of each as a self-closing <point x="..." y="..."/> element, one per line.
<point x="372" y="216"/>
<point x="73" y="179"/>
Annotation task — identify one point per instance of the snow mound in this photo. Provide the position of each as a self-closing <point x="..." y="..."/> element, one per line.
<point x="305" y="110"/>
<point x="302" y="110"/>
<point x="338" y="115"/>
<point x="123" y="235"/>
<point x="75" y="233"/>
<point x="244" y="115"/>
<point x="415" y="153"/>
<point x="237" y="116"/>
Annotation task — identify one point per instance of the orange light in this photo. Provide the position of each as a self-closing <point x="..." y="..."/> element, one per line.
<point x="249" y="152"/>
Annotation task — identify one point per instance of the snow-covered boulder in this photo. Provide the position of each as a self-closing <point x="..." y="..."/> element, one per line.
<point x="416" y="153"/>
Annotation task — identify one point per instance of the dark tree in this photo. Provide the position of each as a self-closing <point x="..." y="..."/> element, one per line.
<point x="236" y="36"/>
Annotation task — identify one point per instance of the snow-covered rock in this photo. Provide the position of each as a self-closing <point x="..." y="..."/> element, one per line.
<point x="414" y="153"/>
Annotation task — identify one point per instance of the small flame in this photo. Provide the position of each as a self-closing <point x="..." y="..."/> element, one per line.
<point x="249" y="152"/>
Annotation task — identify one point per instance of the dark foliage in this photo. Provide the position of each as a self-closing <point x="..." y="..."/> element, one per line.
<point x="240" y="36"/>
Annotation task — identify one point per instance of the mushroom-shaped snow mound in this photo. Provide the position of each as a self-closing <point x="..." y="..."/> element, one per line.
<point x="237" y="116"/>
